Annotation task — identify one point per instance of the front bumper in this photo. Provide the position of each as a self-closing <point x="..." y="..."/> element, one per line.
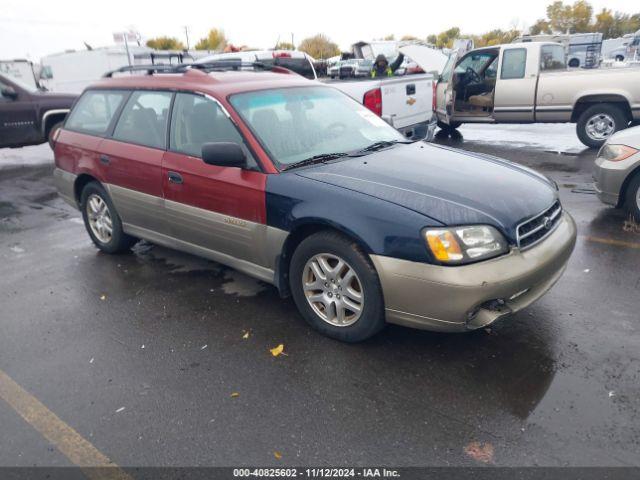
<point x="609" y="177"/>
<point x="456" y="299"/>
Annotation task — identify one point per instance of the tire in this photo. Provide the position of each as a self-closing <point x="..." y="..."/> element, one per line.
<point x="632" y="197"/>
<point x="92" y="194"/>
<point x="574" y="63"/>
<point x="619" y="58"/>
<point x="590" y="133"/>
<point x="51" y="133"/>
<point x="448" y="128"/>
<point x="330" y="247"/>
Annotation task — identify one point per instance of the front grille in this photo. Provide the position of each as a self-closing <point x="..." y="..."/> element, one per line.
<point x="534" y="230"/>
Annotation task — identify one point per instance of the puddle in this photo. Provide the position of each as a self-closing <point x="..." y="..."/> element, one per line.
<point x="237" y="283"/>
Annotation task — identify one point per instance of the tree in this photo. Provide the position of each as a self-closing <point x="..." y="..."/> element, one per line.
<point x="541" y="26"/>
<point x="445" y="39"/>
<point x="605" y="24"/>
<point x="390" y="37"/>
<point x="409" y="38"/>
<point x="432" y="39"/>
<point x="285" y="46"/>
<point x="559" y="16"/>
<point x="495" y="37"/>
<point x="165" y="43"/>
<point x="215" y="40"/>
<point x="319" y="46"/>
<point x="581" y="14"/>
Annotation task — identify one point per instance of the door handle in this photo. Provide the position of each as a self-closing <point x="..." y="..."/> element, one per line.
<point x="175" y="177"/>
<point x="104" y="159"/>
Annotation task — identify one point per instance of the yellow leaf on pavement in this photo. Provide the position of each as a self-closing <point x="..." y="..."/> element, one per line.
<point x="278" y="455"/>
<point x="246" y="335"/>
<point x="277" y="350"/>
<point x="235" y="394"/>
<point x="103" y="297"/>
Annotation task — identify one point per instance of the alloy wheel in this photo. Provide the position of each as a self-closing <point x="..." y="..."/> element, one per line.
<point x="99" y="218"/>
<point x="333" y="289"/>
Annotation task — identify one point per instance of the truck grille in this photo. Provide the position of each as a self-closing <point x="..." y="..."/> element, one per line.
<point x="534" y="230"/>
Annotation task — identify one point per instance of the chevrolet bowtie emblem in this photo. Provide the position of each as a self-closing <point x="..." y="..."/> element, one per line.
<point x="411" y="101"/>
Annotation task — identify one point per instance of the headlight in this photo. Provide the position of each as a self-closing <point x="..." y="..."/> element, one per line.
<point x="458" y="245"/>
<point x="616" y="153"/>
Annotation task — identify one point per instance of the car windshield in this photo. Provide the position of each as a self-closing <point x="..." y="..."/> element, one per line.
<point x="24" y="85"/>
<point x="296" y="124"/>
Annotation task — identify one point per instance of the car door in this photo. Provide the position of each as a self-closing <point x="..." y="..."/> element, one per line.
<point x="219" y="209"/>
<point x="18" y="125"/>
<point x="444" y="90"/>
<point x="132" y="156"/>
<point x="516" y="85"/>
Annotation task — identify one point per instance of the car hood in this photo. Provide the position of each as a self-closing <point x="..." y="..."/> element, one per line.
<point x="444" y="184"/>
<point x="628" y="136"/>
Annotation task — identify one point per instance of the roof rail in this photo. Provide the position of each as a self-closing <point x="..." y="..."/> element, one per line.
<point x="212" y="66"/>
<point x="149" y="69"/>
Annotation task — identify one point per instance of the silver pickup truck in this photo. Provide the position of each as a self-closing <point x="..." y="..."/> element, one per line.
<point x="530" y="83"/>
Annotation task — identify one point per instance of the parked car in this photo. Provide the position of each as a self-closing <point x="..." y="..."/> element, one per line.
<point x="363" y="68"/>
<point x="530" y="83"/>
<point x="406" y="103"/>
<point x="28" y="115"/>
<point x="296" y="184"/>
<point x="617" y="171"/>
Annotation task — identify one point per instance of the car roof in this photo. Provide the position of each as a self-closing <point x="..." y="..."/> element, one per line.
<point x="217" y="84"/>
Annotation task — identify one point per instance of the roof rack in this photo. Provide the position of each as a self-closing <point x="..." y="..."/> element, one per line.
<point x="212" y="66"/>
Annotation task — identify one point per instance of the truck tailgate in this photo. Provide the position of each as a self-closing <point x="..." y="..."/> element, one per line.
<point x="407" y="100"/>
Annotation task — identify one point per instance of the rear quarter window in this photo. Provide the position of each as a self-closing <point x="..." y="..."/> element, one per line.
<point x="94" y="111"/>
<point x="514" y="61"/>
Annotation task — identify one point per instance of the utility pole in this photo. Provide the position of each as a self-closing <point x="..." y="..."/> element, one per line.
<point x="293" y="45"/>
<point x="186" y="34"/>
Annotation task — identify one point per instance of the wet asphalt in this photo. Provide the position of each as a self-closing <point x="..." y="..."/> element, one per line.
<point x="141" y="353"/>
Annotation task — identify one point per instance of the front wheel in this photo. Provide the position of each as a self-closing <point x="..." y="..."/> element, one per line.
<point x="598" y="122"/>
<point x="632" y="200"/>
<point x="336" y="287"/>
<point x="448" y="127"/>
<point x="102" y="221"/>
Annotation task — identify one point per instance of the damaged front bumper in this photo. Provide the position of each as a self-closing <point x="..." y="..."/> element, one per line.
<point x="462" y="298"/>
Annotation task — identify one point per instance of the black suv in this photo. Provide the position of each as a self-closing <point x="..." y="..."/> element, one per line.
<point x="28" y="115"/>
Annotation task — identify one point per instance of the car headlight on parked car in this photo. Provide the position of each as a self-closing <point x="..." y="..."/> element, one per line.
<point x="459" y="245"/>
<point x="616" y="153"/>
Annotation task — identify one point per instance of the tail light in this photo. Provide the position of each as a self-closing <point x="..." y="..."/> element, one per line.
<point x="373" y="101"/>
<point x="281" y="55"/>
<point x="434" y="98"/>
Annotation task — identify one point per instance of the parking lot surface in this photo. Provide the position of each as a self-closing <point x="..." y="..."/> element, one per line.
<point x="160" y="358"/>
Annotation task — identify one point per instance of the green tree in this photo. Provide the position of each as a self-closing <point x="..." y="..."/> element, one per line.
<point x="215" y="40"/>
<point x="445" y="39"/>
<point x="165" y="43"/>
<point x="432" y="39"/>
<point x="285" y="46"/>
<point x="605" y="24"/>
<point x="319" y="46"/>
<point x="541" y="26"/>
<point x="559" y="16"/>
<point x="581" y="13"/>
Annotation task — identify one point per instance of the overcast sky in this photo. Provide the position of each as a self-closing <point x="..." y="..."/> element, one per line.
<point x="34" y="28"/>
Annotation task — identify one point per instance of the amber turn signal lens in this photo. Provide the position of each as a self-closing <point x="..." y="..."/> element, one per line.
<point x="444" y="245"/>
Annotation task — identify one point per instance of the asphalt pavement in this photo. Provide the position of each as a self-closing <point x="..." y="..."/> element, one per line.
<point x="159" y="358"/>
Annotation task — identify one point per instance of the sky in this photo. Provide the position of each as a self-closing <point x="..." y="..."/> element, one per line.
<point x="35" y="28"/>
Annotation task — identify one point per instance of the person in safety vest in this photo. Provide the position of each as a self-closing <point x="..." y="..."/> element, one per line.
<point x="381" y="67"/>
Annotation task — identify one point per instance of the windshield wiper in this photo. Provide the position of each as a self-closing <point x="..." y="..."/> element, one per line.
<point x="323" y="157"/>
<point x="382" y="144"/>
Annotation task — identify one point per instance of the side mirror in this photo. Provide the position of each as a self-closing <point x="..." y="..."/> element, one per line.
<point x="224" y="154"/>
<point x="9" y="92"/>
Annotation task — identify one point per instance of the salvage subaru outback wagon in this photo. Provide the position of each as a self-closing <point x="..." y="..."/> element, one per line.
<point x="298" y="185"/>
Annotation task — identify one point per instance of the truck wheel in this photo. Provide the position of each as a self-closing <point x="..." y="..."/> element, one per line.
<point x="598" y="122"/>
<point x="102" y="221"/>
<point x="574" y="63"/>
<point x="632" y="200"/>
<point x="448" y="128"/>
<point x="52" y="133"/>
<point x="336" y="287"/>
<point x="619" y="58"/>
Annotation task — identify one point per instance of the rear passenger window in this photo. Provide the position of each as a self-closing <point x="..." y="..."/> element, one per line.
<point x="196" y="120"/>
<point x="144" y="119"/>
<point x="94" y="111"/>
<point x="513" y="63"/>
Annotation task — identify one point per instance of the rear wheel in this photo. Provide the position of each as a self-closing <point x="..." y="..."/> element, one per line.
<point x="336" y="287"/>
<point x="598" y="122"/>
<point x="632" y="200"/>
<point x="102" y="221"/>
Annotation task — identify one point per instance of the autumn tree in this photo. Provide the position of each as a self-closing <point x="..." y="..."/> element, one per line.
<point x="285" y="46"/>
<point x="215" y="40"/>
<point x="319" y="46"/>
<point x="165" y="43"/>
<point x="541" y="26"/>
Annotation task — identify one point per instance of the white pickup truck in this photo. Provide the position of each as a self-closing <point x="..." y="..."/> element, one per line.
<point x="530" y="83"/>
<point x="405" y="102"/>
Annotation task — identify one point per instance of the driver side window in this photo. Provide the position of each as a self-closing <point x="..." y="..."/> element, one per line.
<point x="196" y="120"/>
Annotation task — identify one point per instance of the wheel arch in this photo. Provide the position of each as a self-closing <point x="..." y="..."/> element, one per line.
<point x="302" y="230"/>
<point x="80" y="182"/>
<point x="50" y="118"/>
<point x="586" y="101"/>
<point x="625" y="185"/>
